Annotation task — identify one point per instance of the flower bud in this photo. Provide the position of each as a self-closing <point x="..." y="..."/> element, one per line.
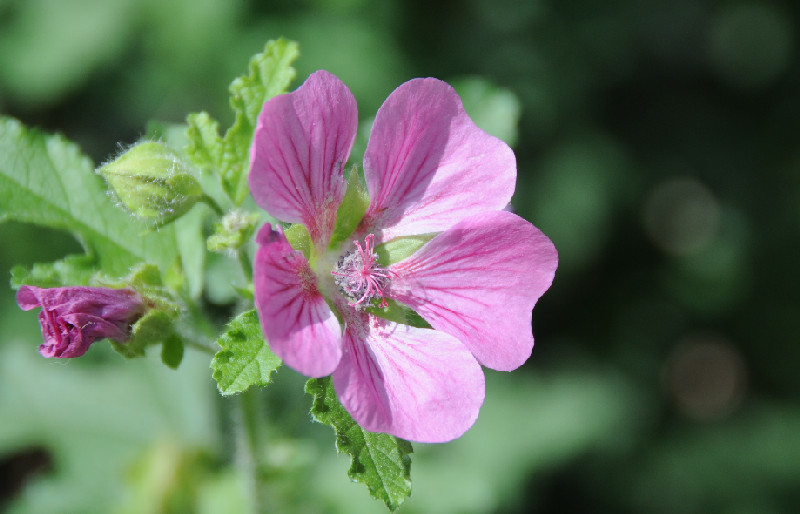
<point x="72" y="318"/>
<point x="152" y="182"/>
<point x="232" y="231"/>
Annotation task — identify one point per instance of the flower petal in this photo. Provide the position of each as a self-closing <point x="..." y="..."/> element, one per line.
<point x="479" y="281"/>
<point x="72" y="318"/>
<point x="71" y="335"/>
<point x="115" y="305"/>
<point x="301" y="144"/>
<point x="297" y="322"/>
<point x="427" y="165"/>
<point x="413" y="383"/>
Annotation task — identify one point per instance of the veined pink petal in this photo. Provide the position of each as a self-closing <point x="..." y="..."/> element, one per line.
<point x="301" y="144"/>
<point x="413" y="383"/>
<point x="478" y="281"/>
<point x="427" y="165"/>
<point x="299" y="326"/>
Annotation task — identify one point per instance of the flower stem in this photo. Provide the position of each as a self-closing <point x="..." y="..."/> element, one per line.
<point x="247" y="268"/>
<point x="250" y="445"/>
<point x="199" y="345"/>
<point x="213" y="204"/>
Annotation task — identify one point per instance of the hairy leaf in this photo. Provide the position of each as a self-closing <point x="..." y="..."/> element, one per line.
<point x="47" y="181"/>
<point x="245" y="358"/>
<point x="270" y="74"/>
<point x="382" y="462"/>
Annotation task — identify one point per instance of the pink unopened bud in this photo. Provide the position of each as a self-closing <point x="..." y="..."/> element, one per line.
<point x="72" y="318"/>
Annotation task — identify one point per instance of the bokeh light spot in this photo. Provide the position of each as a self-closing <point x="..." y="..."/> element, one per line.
<point x="681" y="216"/>
<point x="705" y="376"/>
<point x="751" y="43"/>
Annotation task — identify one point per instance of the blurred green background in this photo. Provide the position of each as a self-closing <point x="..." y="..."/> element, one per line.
<point x="657" y="145"/>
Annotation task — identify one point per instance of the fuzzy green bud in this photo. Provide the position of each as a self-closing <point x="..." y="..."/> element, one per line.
<point x="153" y="182"/>
<point x="232" y="231"/>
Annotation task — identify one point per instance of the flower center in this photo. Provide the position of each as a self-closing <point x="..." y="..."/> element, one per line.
<point x="359" y="276"/>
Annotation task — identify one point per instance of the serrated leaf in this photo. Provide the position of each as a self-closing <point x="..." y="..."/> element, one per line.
<point x="382" y="462"/>
<point x="47" y="181"/>
<point x="269" y="75"/>
<point x="245" y="358"/>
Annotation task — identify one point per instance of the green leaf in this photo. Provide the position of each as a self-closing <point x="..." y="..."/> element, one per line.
<point x="190" y="241"/>
<point x="270" y="74"/>
<point x="382" y="462"/>
<point x="245" y="358"/>
<point x="47" y="181"/>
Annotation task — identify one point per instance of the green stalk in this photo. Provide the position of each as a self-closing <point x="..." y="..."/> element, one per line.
<point x="247" y="268"/>
<point x="250" y="447"/>
<point x="213" y="204"/>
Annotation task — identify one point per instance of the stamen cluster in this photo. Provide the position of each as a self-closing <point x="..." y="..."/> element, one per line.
<point x="359" y="276"/>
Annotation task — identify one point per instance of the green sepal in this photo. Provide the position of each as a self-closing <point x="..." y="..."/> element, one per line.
<point x="146" y="280"/>
<point x="299" y="238"/>
<point x="270" y="73"/>
<point x="352" y="209"/>
<point x="382" y="462"/>
<point x="400" y="248"/>
<point x="172" y="352"/>
<point x="245" y="358"/>
<point x="74" y="270"/>
<point x="158" y="324"/>
<point x="152" y="328"/>
<point x="399" y="313"/>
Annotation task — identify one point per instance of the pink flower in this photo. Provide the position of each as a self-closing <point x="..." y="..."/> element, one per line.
<point x="429" y="170"/>
<point x="72" y="318"/>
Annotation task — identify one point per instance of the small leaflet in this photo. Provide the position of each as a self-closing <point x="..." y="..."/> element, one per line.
<point x="245" y="358"/>
<point x="270" y="73"/>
